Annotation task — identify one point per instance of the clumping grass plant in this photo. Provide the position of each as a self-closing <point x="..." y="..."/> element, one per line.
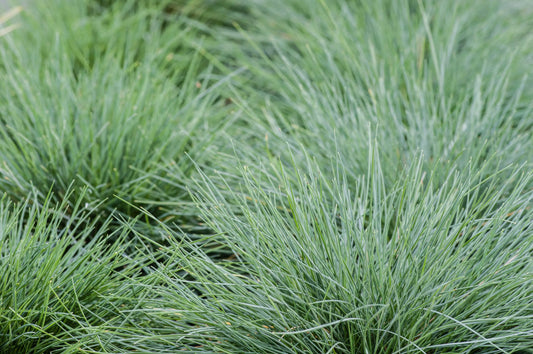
<point x="422" y="81"/>
<point x="266" y="177"/>
<point x="110" y="125"/>
<point x="56" y="267"/>
<point x="324" y="266"/>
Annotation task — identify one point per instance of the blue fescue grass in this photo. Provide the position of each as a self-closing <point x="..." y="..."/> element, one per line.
<point x="109" y="111"/>
<point x="291" y="177"/>
<point x="420" y="80"/>
<point x="323" y="265"/>
<point x="56" y="267"/>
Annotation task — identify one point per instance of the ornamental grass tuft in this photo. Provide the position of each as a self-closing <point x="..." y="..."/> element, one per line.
<point x="266" y="176"/>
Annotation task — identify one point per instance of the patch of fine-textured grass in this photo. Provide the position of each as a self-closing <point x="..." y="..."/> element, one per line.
<point x="108" y="113"/>
<point x="55" y="270"/>
<point x="420" y="80"/>
<point x="325" y="266"/>
<point x="281" y="176"/>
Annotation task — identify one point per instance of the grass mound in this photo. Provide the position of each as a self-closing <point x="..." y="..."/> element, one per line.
<point x="55" y="269"/>
<point x="266" y="177"/>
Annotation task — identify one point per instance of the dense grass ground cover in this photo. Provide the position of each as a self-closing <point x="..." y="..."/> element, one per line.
<point x="267" y="176"/>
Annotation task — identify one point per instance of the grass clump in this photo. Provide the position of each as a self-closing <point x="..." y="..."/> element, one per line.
<point x="56" y="269"/>
<point x="332" y="69"/>
<point x="319" y="177"/>
<point x="111" y="126"/>
<point x="324" y="266"/>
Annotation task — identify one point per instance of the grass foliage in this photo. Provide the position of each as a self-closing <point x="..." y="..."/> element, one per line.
<point x="107" y="124"/>
<point x="55" y="270"/>
<point x="266" y="176"/>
